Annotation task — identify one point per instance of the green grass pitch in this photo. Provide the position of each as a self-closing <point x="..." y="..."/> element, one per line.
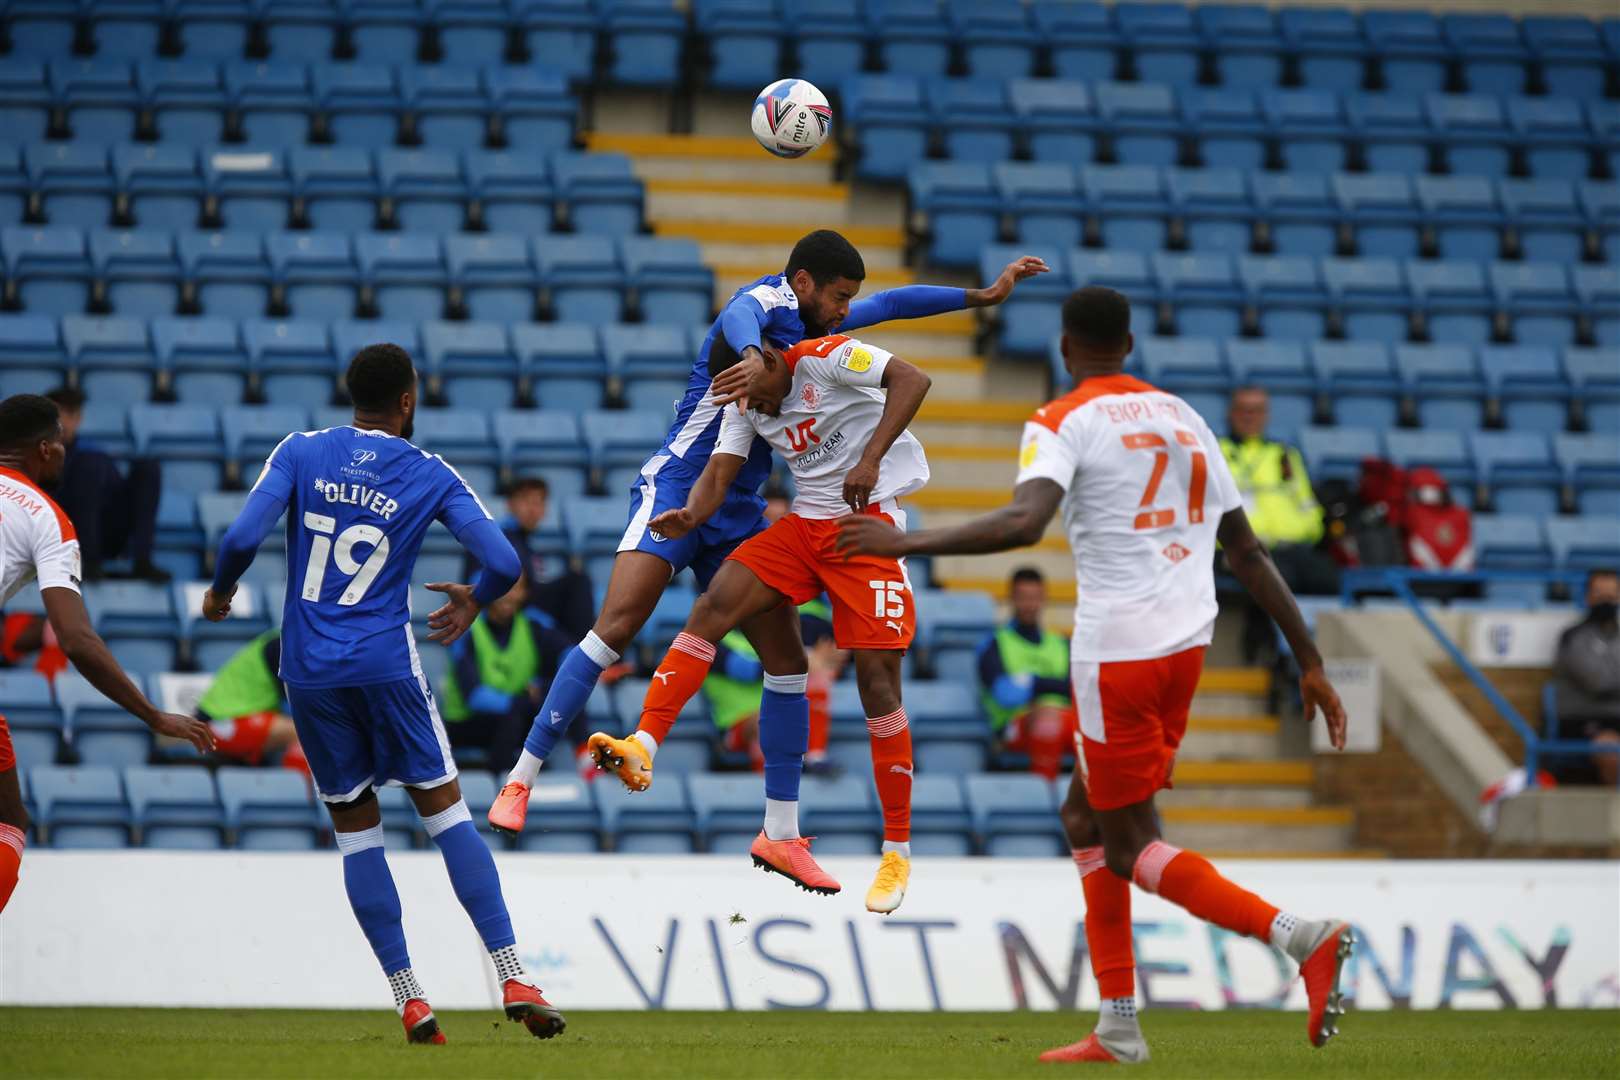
<point x="133" y="1043"/>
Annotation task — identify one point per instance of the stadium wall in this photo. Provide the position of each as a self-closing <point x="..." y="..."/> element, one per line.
<point x="703" y="932"/>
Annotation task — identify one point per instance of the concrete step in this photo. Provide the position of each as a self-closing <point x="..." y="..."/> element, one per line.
<point x="729" y="277"/>
<point x="815" y="205"/>
<point x="1196" y="797"/>
<point x="710" y="158"/>
<point x="747" y="242"/>
<point x="1245" y="828"/>
<point x="917" y="339"/>
<point x="1217" y="739"/>
<point x="937" y="433"/>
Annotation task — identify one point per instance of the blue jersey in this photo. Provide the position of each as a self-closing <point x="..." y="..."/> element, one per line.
<point x="768" y="310"/>
<point x="358" y="505"/>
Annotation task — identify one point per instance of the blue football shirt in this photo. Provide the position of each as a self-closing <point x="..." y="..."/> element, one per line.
<point x="358" y="503"/>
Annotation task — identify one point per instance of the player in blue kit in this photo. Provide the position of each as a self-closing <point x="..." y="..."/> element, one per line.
<point x="812" y="297"/>
<point x="359" y="500"/>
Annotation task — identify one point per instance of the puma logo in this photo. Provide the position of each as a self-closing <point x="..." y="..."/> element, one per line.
<point x="663" y="676"/>
<point x="899" y="631"/>
<point x="903" y="770"/>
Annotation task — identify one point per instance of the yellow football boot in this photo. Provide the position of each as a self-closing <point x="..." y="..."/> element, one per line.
<point x="625" y="758"/>
<point x="889" y="887"/>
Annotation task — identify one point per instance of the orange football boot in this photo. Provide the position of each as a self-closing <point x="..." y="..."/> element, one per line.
<point x="524" y="1003"/>
<point x="791" y="859"/>
<point x="1091" y="1049"/>
<point x="625" y="758"/>
<point x="1320" y="970"/>
<point x="510" y="808"/>
<point x="420" y="1026"/>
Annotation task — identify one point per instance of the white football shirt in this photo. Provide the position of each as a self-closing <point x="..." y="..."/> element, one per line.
<point x="36" y="539"/>
<point x="1145" y="485"/>
<point x="824" y="424"/>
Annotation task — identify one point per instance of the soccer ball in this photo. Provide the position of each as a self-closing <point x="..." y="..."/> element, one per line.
<point x="791" y="118"/>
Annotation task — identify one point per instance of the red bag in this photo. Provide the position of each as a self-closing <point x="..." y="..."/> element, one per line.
<point x="1439" y="533"/>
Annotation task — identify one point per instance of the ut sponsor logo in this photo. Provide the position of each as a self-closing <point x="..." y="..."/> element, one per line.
<point x="802" y="435"/>
<point x="363" y="457"/>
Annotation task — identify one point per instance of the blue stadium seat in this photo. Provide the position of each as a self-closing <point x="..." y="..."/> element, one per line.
<point x="161" y="184"/>
<point x="842" y="804"/>
<point x="1537" y="296"/>
<point x="32" y="360"/>
<point x="1570" y="53"/>
<point x="563" y="817"/>
<point x="645" y="41"/>
<point x="355" y="104"/>
<point x="225" y="274"/>
<point x="912" y="36"/>
<point x="1371" y="297"/>
<point x="1361" y="381"/>
<point x="1243" y="38"/>
<point x="292" y="363"/>
<point x="1278" y="365"/>
<point x="1528" y="385"/>
<point x="534" y="107"/>
<point x="201" y="359"/>
<point x="135" y="273"/>
<point x="646" y="822"/>
<point x="1005" y="805"/>
<point x="1546" y="217"/>
<point x="474" y="363"/>
<point x="1128" y="204"/>
<point x="402" y="276"/>
<point x="1446" y="383"/>
<point x="131" y="609"/>
<point x="1394" y="130"/>
<point x="1441" y="450"/>
<point x="1491" y="54"/>
<point x="539" y="439"/>
<point x="1453" y="298"/>
<point x="1510" y="542"/>
<point x="80" y="806"/>
<point x="445" y="108"/>
<point x="951" y="757"/>
<point x="1463" y="214"/>
<point x="1298" y="212"/>
<point x="1057" y="118"/>
<point x="671" y="282"/>
<point x="46" y="269"/>
<point x="1214" y="208"/>
<point x="1142" y="120"/>
<point x="182" y="102"/>
<point x="1597" y="288"/>
<point x="99" y="97"/>
<point x="470" y="31"/>
<point x="490" y="277"/>
<point x="832" y="46"/>
<point x="1285" y="296"/>
<point x="186" y="439"/>
<point x="974" y="118"/>
<point x="961" y="208"/>
<point x="1329" y="45"/>
<point x="744" y="42"/>
<point x="1474" y="130"/>
<point x="1307" y="128"/>
<point x="582" y="277"/>
<point x="997" y="40"/>
<point x="1183" y="364"/>
<point x="563" y="363"/>
<point x="1203" y="290"/>
<point x="112" y="356"/>
<point x="312" y="274"/>
<point x="1411" y="54"/>
<point x="27" y="694"/>
<point x="269" y="809"/>
<point x="460" y="435"/>
<point x="1228" y="125"/>
<point x="1584" y="543"/>
<point x="175" y="808"/>
<point x="100" y="732"/>
<point x="890" y="120"/>
<point x="1588" y="461"/>
<point x="652" y="362"/>
<point x="595" y="524"/>
<point x="1163" y="42"/>
<point x="728" y="807"/>
<point x="622" y="438"/>
<point x="1043" y="201"/>
<point x="954" y="617"/>
<point x="1381" y="209"/>
<point x="1081" y="37"/>
<point x="1554" y="135"/>
<point x="1336" y="452"/>
<point x="601" y="192"/>
<point x="510" y="192"/>
<point x="1597" y="386"/>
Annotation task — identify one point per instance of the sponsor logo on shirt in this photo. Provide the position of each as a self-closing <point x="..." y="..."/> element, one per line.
<point x="810" y="396"/>
<point x="857" y="360"/>
<point x="1175" y="553"/>
<point x="1027" y="456"/>
<point x="363" y="457"/>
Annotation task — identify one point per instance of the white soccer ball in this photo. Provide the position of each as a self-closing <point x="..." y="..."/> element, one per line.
<point x="791" y="118"/>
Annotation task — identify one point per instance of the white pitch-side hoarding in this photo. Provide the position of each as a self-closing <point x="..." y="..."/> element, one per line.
<point x="709" y="932"/>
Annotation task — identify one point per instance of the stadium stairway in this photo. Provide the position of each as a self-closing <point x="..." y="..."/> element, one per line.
<point x="1236" y="792"/>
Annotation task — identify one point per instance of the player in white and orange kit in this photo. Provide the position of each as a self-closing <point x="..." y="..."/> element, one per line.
<point x="1146" y="495"/>
<point x="836" y="410"/>
<point x="37" y="542"/>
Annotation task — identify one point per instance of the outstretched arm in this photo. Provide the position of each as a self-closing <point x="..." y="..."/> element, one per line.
<point x="1018" y="524"/>
<point x="921" y="301"/>
<point x="1251" y="564"/>
<point x="237" y="548"/>
<point x="705" y="498"/>
<point x="906" y="386"/>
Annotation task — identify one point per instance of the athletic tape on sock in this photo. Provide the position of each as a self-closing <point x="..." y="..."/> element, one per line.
<point x="885" y="726"/>
<point x="597" y="649"/>
<point x="692" y="645"/>
<point x="1089" y="859"/>
<point x="350" y="843"/>
<point x="507" y="964"/>
<point x="1150" y="864"/>
<point x="786" y="684"/>
<point x="444" y="819"/>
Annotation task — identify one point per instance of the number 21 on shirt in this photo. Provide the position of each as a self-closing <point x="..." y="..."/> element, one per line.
<point x="1150" y="517"/>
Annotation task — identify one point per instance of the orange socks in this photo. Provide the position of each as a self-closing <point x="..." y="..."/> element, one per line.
<point x="891" y="768"/>
<point x="678" y="676"/>
<point x="819" y="690"/>
<point x="1188" y="879"/>
<point x="11" y="850"/>
<point x="1108" y="925"/>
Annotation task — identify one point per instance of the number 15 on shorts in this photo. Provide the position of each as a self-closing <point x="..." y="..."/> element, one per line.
<point x="888" y="599"/>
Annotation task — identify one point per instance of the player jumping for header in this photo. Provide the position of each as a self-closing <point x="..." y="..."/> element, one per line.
<point x="812" y="297"/>
<point x="821" y="405"/>
<point x="359" y="500"/>
<point x="37" y="543"/>
<point x="1146" y="495"/>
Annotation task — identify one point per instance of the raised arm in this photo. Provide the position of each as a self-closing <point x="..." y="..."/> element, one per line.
<point x="1251" y="564"/>
<point x="84" y="647"/>
<point x="1018" y="524"/>
<point x="705" y="497"/>
<point x="906" y="386"/>
<point x="238" y="546"/>
<point x="740" y="325"/>
<point x="921" y="301"/>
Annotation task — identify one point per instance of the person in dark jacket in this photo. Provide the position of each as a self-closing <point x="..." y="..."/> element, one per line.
<point x="1588" y="672"/>
<point x="553" y="585"/>
<point x="115" y="515"/>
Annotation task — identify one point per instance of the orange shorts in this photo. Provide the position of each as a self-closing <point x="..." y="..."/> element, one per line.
<point x="871" y="596"/>
<point x="8" y="756"/>
<point x="1133" y="714"/>
<point x="243" y="737"/>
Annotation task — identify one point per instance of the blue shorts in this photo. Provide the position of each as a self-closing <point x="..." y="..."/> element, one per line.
<point x="664" y="484"/>
<point x="356" y="737"/>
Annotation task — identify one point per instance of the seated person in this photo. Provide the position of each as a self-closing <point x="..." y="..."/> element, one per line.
<point x="244" y="706"/>
<point x="115" y="515"/>
<point x="1588" y="672"/>
<point x="1024" y="678"/>
<point x="498" y="676"/>
<point x="737" y="679"/>
<point x="554" y="586"/>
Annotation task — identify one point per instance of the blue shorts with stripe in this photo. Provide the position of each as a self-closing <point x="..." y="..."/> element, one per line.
<point x="357" y="737"/>
<point x="664" y="484"/>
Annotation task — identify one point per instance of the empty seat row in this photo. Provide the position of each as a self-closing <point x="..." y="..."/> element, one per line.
<point x="482" y="365"/>
<point x="957" y="207"/>
<point x="264" y="188"/>
<point x="897" y="121"/>
<point x="187" y="102"/>
<point x="272" y="809"/>
<point x="1301" y="298"/>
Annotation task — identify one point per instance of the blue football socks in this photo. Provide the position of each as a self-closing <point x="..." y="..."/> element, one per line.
<point x="577" y="675"/>
<point x="784" y="734"/>
<point x="472" y="874"/>
<point x="373" y="897"/>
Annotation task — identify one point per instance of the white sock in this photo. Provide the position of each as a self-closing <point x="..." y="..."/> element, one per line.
<point x="902" y="846"/>
<point x="1117" y="1014"/>
<point x="404" y="985"/>
<point x="526" y="769"/>
<point x="781" y="820"/>
<point x="507" y="964"/>
<point x="1286" y="932"/>
<point x="646" y="739"/>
